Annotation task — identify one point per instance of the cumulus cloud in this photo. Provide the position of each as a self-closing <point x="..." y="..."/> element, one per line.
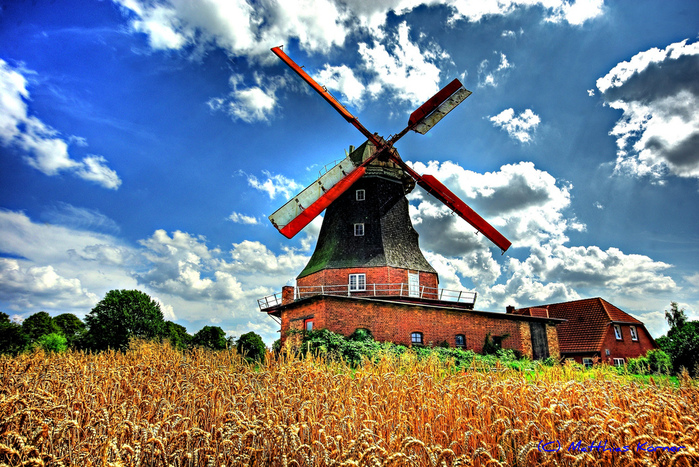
<point x="42" y="146"/>
<point x="249" y="104"/>
<point x="238" y="26"/>
<point x="572" y="12"/>
<point x="59" y="268"/>
<point x="525" y="204"/>
<point x="406" y="70"/>
<point x="519" y="127"/>
<point x="274" y="185"/>
<point x="556" y="272"/>
<point x="658" y="93"/>
<point x="40" y="286"/>
<point x="243" y="219"/>
<point x="247" y="29"/>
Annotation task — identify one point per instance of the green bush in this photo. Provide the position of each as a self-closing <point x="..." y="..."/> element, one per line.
<point x="53" y="342"/>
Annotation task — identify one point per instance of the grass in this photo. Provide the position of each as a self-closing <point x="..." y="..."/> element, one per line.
<point x="153" y="406"/>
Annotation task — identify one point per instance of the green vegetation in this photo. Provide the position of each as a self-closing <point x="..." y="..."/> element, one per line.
<point x="250" y="345"/>
<point x="682" y="341"/>
<point x="119" y="318"/>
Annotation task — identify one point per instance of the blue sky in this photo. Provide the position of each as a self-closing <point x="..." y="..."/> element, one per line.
<point x="144" y="143"/>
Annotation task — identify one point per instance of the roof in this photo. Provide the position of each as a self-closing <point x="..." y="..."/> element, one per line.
<point x="587" y="322"/>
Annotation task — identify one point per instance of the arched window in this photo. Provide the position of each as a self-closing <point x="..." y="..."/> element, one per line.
<point x="460" y="340"/>
<point x="416" y="338"/>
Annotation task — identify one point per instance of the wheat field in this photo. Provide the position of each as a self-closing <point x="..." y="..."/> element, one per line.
<point x="155" y="406"/>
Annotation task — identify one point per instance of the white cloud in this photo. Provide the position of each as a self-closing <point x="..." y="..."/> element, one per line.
<point x="342" y="79"/>
<point x="572" y="12"/>
<point x="275" y="185"/>
<point x="489" y="76"/>
<point x="519" y="127"/>
<point x="243" y="219"/>
<point x="409" y="72"/>
<point x="41" y="145"/>
<point x="527" y="205"/>
<point x="249" y="104"/>
<point x="657" y="91"/>
<point x="238" y="26"/>
<point x="40" y="286"/>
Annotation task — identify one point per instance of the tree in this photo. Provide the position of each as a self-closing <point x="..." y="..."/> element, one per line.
<point x="72" y="328"/>
<point x="13" y="340"/>
<point x="676" y="318"/>
<point x="682" y="340"/>
<point x="251" y="346"/>
<point x="177" y="335"/>
<point x="53" y="342"/>
<point x="211" y="337"/>
<point x="39" y="324"/>
<point x="122" y="315"/>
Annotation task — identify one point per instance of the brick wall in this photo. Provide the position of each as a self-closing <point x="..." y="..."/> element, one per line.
<point x="626" y="348"/>
<point x="395" y="322"/>
<point x="376" y="275"/>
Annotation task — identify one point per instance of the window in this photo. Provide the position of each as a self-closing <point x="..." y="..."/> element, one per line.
<point x="634" y="334"/>
<point x="413" y="284"/>
<point x="617" y="332"/>
<point x="358" y="230"/>
<point x="587" y="362"/>
<point x="361" y="195"/>
<point x="308" y="324"/>
<point x="618" y="362"/>
<point x="357" y="282"/>
<point x="460" y="340"/>
<point x="416" y="338"/>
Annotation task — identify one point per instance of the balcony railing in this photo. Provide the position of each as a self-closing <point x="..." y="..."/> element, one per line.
<point x="374" y="290"/>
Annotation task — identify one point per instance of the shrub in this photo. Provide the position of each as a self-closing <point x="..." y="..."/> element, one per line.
<point x="53" y="342"/>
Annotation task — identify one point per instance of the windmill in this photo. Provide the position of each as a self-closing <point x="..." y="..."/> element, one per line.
<point x="369" y="227"/>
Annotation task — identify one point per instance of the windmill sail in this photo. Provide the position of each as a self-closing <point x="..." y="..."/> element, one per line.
<point x="442" y="193"/>
<point x="300" y="210"/>
<point x="435" y="109"/>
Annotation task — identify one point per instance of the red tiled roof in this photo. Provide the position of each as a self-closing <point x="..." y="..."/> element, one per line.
<point x="588" y="320"/>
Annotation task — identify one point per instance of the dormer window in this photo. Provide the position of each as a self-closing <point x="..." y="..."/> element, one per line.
<point x="360" y="195"/>
<point x="634" y="334"/>
<point x="617" y="332"/>
<point x="358" y="230"/>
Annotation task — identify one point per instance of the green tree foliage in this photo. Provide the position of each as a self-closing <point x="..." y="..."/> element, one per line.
<point x="72" y="328"/>
<point x="13" y="340"/>
<point x="177" y="335"/>
<point x="53" y="342"/>
<point x="39" y="324"/>
<point x="682" y="340"/>
<point x="210" y="337"/>
<point x="122" y="315"/>
<point x="251" y="346"/>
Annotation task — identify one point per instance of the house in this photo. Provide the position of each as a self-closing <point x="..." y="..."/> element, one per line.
<point x="594" y="329"/>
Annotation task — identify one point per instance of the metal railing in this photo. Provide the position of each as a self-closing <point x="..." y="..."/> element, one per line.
<point x="374" y="290"/>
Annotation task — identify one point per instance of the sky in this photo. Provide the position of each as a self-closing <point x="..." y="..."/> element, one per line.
<point x="143" y="143"/>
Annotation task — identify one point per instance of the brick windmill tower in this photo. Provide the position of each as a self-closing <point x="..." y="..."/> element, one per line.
<point x="367" y="259"/>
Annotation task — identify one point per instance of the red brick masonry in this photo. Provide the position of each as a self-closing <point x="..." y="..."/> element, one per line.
<point x="395" y="320"/>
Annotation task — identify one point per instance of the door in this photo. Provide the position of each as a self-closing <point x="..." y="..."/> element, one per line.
<point x="540" y="343"/>
<point x="413" y="285"/>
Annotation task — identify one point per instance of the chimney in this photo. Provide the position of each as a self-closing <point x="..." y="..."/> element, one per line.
<point x="287" y="294"/>
<point x="510" y="309"/>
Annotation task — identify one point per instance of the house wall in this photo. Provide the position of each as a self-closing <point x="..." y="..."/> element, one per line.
<point x="395" y="322"/>
<point x="625" y="348"/>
